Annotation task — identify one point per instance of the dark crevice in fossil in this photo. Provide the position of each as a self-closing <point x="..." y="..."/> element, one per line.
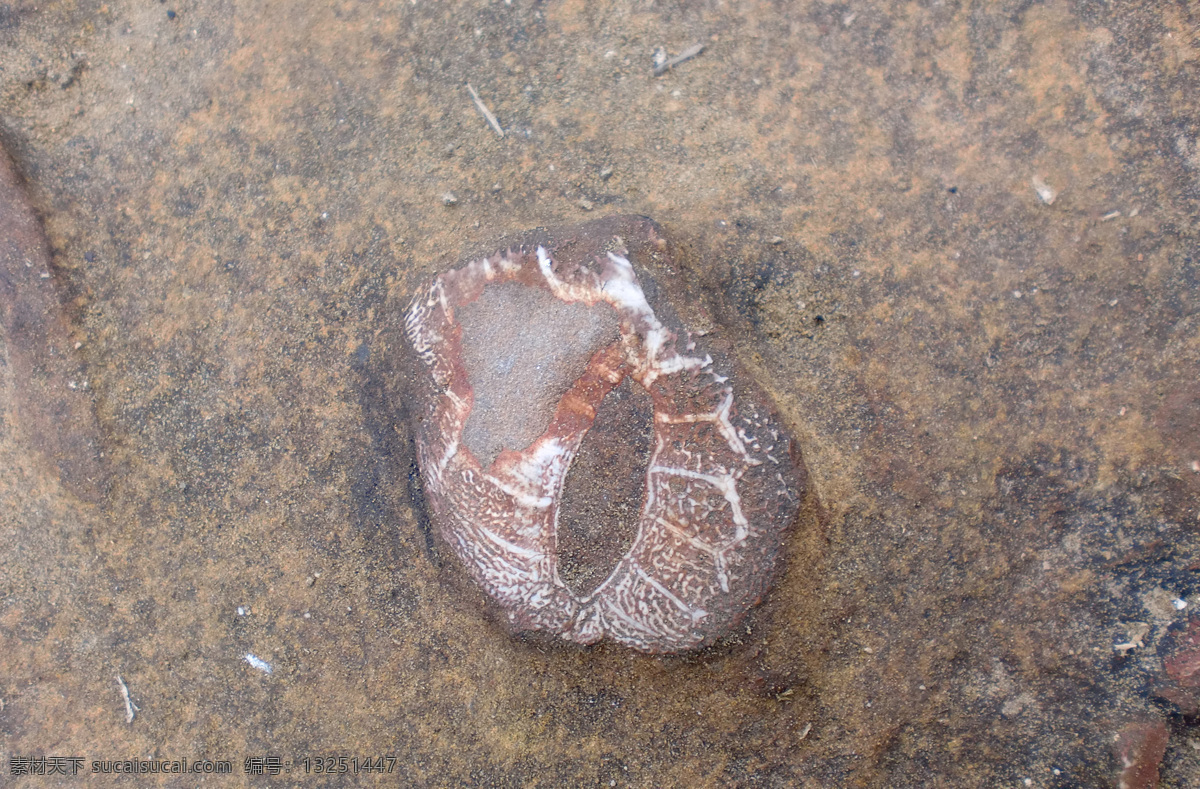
<point x="603" y="492"/>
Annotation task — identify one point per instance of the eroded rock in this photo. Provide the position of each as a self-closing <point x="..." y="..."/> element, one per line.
<point x="52" y="397"/>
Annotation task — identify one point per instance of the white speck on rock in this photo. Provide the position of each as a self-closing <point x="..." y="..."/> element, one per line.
<point x="1044" y="191"/>
<point x="258" y="663"/>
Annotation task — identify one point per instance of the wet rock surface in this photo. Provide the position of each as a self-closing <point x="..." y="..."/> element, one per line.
<point x="956" y="244"/>
<point x="51" y="400"/>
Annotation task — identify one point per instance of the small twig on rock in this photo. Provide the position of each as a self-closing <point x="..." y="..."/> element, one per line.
<point x="130" y="707"/>
<point x="687" y="54"/>
<point x="486" y="112"/>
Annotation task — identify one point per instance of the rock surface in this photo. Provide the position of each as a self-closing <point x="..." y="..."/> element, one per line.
<point x="51" y="403"/>
<point x="991" y="391"/>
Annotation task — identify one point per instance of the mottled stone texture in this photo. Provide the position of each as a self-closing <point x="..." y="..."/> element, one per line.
<point x="994" y="395"/>
<point x="524" y="344"/>
<point x="51" y="396"/>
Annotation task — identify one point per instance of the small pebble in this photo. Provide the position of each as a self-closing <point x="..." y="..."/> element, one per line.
<point x="606" y="173"/>
<point x="585" y="204"/>
<point x="449" y="199"/>
<point x="1044" y="191"/>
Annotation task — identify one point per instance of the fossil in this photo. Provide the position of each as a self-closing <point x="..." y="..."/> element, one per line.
<point x="515" y="354"/>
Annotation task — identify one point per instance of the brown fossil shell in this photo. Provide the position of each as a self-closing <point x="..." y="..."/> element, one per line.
<point x="515" y="354"/>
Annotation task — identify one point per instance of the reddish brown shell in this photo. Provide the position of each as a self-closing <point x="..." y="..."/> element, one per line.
<point x="722" y="485"/>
